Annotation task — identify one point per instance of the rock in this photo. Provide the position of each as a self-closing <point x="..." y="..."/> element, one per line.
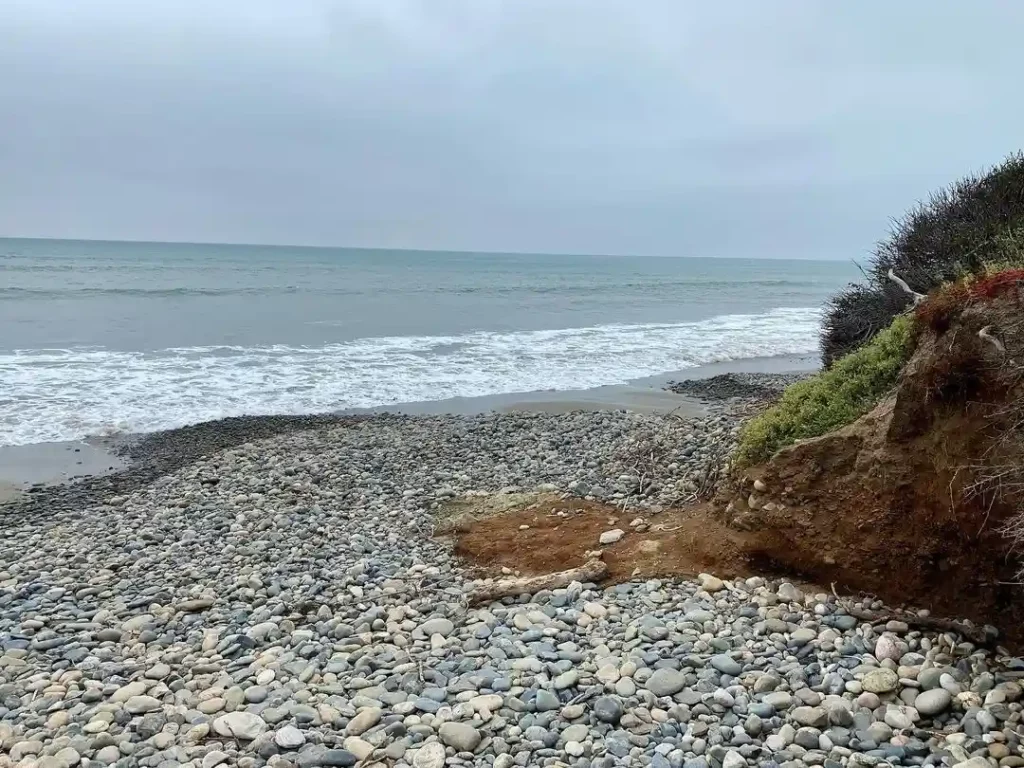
<point x="710" y="583"/>
<point x="566" y="680"/>
<point x="814" y="717"/>
<point x="933" y="702"/>
<point x="666" y="682"/>
<point x="608" y="709"/>
<point x="243" y="726"/>
<point x="900" y="718"/>
<point x="546" y="701"/>
<point x="610" y="537"/>
<point x="886" y="647"/>
<point x="23" y="749"/>
<point x="430" y="755"/>
<point x="442" y="627"/>
<point x="733" y="759"/>
<point x="726" y="665"/>
<point x="199" y="604"/>
<point x="108" y="755"/>
<point x="790" y="594"/>
<point x="608" y="674"/>
<point x="213" y="758"/>
<point x="338" y="757"/>
<point x="880" y="680"/>
<point x="803" y="636"/>
<point x="974" y="762"/>
<point x="289" y="737"/>
<point x="138" y="705"/>
<point x="868" y="700"/>
<point x="364" y="721"/>
<point x="460" y="736"/>
<point x="361" y="749"/>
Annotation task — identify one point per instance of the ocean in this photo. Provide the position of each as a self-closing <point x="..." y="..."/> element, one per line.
<point x="98" y="338"/>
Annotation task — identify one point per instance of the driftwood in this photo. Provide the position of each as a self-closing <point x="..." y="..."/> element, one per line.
<point x="914" y="295"/>
<point x="592" y="570"/>
<point x="983" y="636"/>
<point x="986" y="334"/>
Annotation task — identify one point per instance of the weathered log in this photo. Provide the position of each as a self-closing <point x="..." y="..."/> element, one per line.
<point x="592" y="570"/>
<point x="983" y="636"/>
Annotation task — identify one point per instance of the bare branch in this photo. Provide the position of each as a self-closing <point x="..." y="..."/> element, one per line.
<point x="986" y="334"/>
<point x="917" y="297"/>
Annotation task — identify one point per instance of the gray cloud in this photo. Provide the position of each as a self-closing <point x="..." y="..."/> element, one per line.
<point x="690" y="128"/>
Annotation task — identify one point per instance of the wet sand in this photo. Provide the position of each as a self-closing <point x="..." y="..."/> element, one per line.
<point x="22" y="466"/>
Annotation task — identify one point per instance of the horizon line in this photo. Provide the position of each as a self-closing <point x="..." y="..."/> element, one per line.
<point x="125" y="241"/>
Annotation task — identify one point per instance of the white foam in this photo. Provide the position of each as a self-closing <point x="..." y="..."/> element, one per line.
<point x="73" y="393"/>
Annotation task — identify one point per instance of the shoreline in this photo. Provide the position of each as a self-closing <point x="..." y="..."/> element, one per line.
<point x="30" y="467"/>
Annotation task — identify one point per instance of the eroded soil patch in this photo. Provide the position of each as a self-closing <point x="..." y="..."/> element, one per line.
<point x="560" y="532"/>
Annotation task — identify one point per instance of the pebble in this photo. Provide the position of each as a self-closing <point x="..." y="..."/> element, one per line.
<point x="880" y="681"/>
<point x="289" y="737"/>
<point x="239" y="725"/>
<point x="460" y="736"/>
<point x="305" y="616"/>
<point x="933" y="701"/>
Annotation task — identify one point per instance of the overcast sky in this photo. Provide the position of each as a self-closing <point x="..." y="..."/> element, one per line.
<point x="701" y="128"/>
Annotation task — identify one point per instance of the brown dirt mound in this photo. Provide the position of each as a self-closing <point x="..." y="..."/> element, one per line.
<point x="561" y="532"/>
<point x="906" y="502"/>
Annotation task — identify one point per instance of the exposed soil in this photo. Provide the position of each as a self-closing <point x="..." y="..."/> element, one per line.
<point x="900" y="504"/>
<point x="562" y="531"/>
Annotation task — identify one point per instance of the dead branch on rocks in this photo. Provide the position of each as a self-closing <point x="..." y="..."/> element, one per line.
<point x="592" y="570"/>
<point x="985" y="636"/>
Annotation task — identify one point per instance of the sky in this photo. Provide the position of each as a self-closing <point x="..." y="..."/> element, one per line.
<point x="677" y="128"/>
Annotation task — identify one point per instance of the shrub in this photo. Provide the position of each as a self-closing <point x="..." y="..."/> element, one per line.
<point x="958" y="231"/>
<point x="831" y="399"/>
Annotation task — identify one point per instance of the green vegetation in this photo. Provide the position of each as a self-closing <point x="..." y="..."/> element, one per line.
<point x="959" y="231"/>
<point x="833" y="398"/>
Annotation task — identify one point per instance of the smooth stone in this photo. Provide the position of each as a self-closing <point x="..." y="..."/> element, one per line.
<point x="364" y="721"/>
<point x="612" y="536"/>
<point x="880" y="680"/>
<point x="338" y="757"/>
<point x="239" y="725"/>
<point x="460" y="736"/>
<point x="431" y="755"/>
<point x="933" y="702"/>
<point x="726" y="665"/>
<point x="608" y="709"/>
<point x="443" y="627"/>
<point x="289" y="737"/>
<point x="546" y="701"/>
<point x="138" y="705"/>
<point x="814" y="717"/>
<point x="666" y="682"/>
<point x="710" y="583"/>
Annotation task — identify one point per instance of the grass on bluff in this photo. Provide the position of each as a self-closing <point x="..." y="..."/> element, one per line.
<point x="833" y="398"/>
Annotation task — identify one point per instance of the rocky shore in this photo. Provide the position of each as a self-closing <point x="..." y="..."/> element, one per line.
<point x="268" y="592"/>
<point x="737" y="387"/>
